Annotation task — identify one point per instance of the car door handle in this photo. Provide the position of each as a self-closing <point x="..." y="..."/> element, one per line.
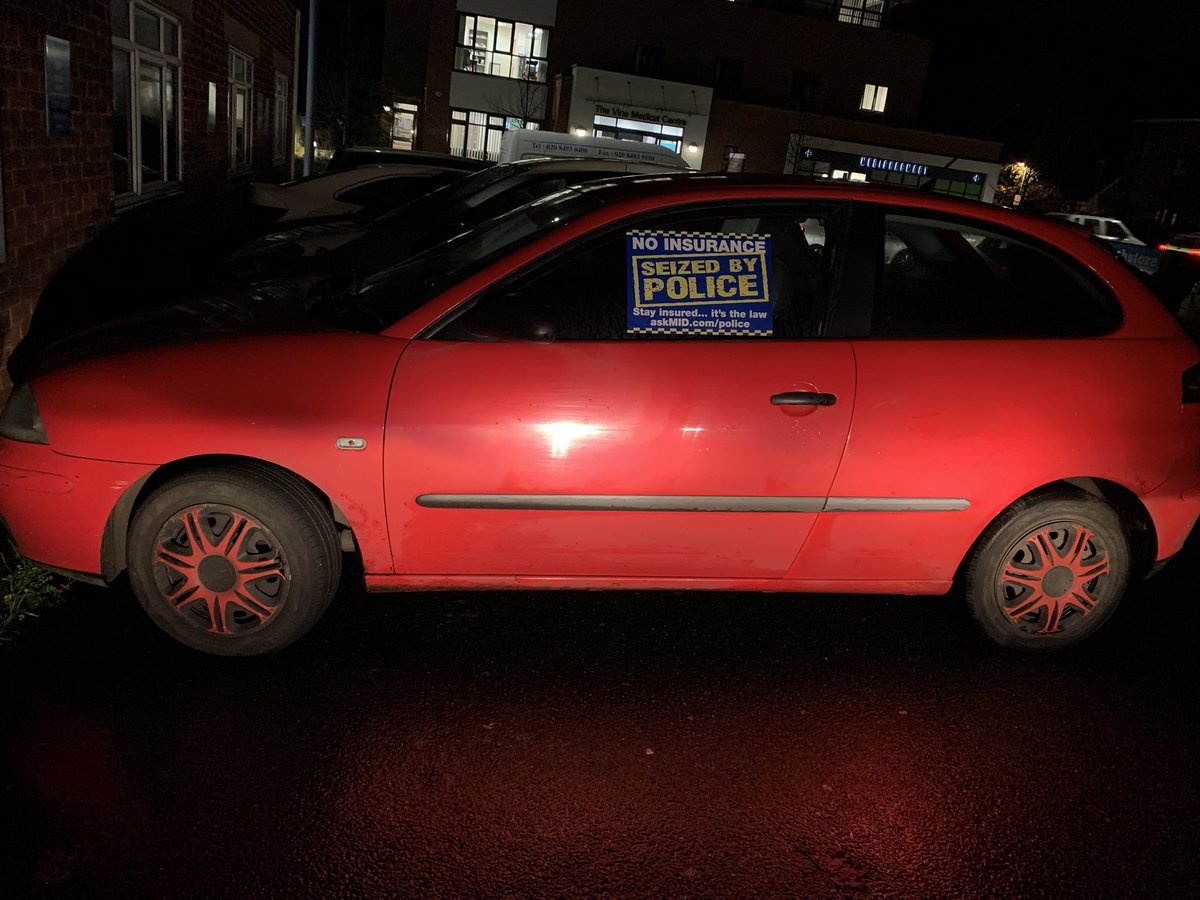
<point x="803" y="398"/>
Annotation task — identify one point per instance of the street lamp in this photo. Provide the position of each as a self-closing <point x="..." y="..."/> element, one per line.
<point x="1024" y="170"/>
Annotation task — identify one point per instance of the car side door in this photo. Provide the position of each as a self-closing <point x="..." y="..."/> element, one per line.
<point x="545" y="430"/>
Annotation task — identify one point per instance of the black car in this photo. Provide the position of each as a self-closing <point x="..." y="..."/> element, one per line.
<point x="364" y="245"/>
<point x="346" y="158"/>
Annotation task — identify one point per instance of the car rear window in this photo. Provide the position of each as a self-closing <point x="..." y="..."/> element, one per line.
<point x="946" y="278"/>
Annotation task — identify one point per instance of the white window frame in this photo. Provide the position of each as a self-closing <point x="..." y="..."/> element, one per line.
<point x="172" y="126"/>
<point x="480" y="52"/>
<point x="868" y="13"/>
<point x="669" y="136"/>
<point x="283" y="135"/>
<point x="476" y="133"/>
<point x="874" y="98"/>
<point x="403" y="111"/>
<point x="241" y="150"/>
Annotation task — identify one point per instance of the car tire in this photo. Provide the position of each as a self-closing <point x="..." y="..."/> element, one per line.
<point x="1048" y="572"/>
<point x="234" y="560"/>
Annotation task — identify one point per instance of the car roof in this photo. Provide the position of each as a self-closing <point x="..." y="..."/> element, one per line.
<point x="388" y="168"/>
<point x="351" y="157"/>
<point x="327" y="181"/>
<point x="585" y="164"/>
<point x="676" y="181"/>
<point x="675" y="187"/>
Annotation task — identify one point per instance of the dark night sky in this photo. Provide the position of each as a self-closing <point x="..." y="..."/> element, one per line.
<point x="1059" y="82"/>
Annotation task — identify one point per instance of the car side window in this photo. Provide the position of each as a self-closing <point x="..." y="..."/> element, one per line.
<point x="585" y="293"/>
<point x="951" y="279"/>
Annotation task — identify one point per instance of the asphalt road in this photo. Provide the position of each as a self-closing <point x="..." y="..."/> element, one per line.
<point x="605" y="745"/>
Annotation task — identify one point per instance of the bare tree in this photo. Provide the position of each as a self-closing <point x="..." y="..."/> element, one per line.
<point x="526" y="101"/>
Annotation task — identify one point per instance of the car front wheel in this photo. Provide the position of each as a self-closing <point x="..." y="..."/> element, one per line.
<point x="1048" y="572"/>
<point x="235" y="561"/>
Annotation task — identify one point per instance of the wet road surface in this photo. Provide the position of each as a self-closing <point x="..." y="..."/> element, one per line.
<point x="605" y="744"/>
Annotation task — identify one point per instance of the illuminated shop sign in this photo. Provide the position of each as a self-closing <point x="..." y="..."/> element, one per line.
<point x="883" y="169"/>
<point x="893" y="165"/>
<point x="640" y="115"/>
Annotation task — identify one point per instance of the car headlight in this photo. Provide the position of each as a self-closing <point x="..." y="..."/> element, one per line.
<point x="20" y="420"/>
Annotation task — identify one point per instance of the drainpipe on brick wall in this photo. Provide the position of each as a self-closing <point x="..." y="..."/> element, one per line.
<point x="308" y="88"/>
<point x="292" y="95"/>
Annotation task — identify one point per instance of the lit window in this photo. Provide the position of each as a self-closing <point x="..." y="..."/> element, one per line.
<point x="477" y="134"/>
<point x="506" y="49"/>
<point x="241" y="80"/>
<point x="874" y="97"/>
<point x="404" y="125"/>
<point x="669" y="136"/>
<point x="146" y="109"/>
<point x="861" y="12"/>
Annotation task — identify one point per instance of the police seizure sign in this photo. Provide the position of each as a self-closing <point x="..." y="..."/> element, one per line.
<point x="697" y="282"/>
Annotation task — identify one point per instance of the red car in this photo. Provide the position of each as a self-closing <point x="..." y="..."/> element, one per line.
<point x="650" y="382"/>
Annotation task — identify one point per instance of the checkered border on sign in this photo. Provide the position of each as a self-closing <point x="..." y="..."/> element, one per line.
<point x="741" y="332"/>
<point x="732" y="235"/>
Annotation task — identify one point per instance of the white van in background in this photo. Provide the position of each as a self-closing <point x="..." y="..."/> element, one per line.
<point x="531" y="143"/>
<point x="1103" y="227"/>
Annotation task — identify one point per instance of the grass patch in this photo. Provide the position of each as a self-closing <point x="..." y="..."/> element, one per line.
<point x="28" y="590"/>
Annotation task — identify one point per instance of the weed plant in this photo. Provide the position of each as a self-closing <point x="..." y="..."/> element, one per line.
<point x="29" y="591"/>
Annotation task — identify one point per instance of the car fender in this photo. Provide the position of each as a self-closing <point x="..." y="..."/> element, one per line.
<point x="312" y="404"/>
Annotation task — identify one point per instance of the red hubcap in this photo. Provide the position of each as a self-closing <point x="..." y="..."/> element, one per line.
<point x="1053" y="575"/>
<point x="221" y="570"/>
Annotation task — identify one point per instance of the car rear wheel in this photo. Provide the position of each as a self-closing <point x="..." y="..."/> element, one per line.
<point x="1048" y="572"/>
<point x="235" y="561"/>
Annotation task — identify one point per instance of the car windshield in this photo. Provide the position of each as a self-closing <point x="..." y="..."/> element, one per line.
<point x="390" y="294"/>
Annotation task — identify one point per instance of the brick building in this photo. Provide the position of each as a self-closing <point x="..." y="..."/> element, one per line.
<point x="820" y="87"/>
<point x="111" y="106"/>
